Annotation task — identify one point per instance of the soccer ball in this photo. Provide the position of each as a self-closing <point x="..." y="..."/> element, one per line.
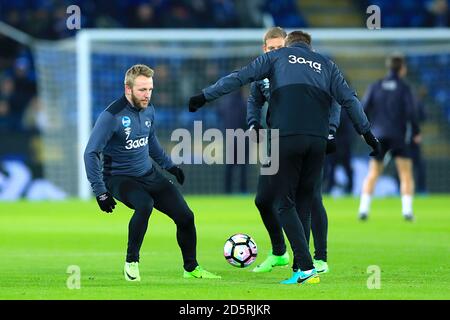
<point x="240" y="250"/>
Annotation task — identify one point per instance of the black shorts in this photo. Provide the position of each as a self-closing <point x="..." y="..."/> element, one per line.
<point x="396" y="147"/>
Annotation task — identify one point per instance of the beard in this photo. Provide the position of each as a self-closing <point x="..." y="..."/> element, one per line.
<point x="140" y="104"/>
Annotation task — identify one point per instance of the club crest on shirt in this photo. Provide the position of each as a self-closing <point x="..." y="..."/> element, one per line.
<point x="126" y="121"/>
<point x="148" y="123"/>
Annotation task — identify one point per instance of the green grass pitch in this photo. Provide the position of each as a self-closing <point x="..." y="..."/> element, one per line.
<point x="40" y="240"/>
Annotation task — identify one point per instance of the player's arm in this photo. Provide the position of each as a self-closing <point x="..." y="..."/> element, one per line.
<point x="258" y="69"/>
<point x="346" y="97"/>
<point x="158" y="154"/>
<point x="412" y="113"/>
<point x="334" y="121"/>
<point x="102" y="132"/>
<point x="335" y="116"/>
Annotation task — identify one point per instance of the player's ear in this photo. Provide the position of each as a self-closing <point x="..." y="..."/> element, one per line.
<point x="127" y="89"/>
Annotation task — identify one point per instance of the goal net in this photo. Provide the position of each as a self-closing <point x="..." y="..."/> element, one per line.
<point x="78" y="78"/>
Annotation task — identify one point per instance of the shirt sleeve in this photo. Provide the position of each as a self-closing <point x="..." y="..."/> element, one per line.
<point x="155" y="149"/>
<point x="258" y="69"/>
<point x="335" y="116"/>
<point x="255" y="102"/>
<point x="101" y="134"/>
<point x="346" y="97"/>
<point x="412" y="111"/>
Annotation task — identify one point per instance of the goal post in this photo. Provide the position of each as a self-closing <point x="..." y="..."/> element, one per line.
<point x="186" y="55"/>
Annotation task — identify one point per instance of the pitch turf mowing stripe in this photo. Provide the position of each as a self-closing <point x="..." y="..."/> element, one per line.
<point x="39" y="240"/>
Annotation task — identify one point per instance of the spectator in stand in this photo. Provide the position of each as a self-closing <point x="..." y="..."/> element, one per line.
<point x="438" y="14"/>
<point x="12" y="101"/>
<point x="178" y="15"/>
<point x="250" y="13"/>
<point x="285" y="13"/>
<point x="5" y="121"/>
<point x="24" y="88"/>
<point x="224" y="13"/>
<point x="145" y="16"/>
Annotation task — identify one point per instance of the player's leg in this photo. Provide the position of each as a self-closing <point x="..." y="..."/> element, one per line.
<point x="404" y="169"/>
<point x="302" y="205"/>
<point x="130" y="192"/>
<point x="375" y="169"/>
<point x="293" y="150"/>
<point x="310" y="207"/>
<point x="319" y="228"/>
<point x="169" y="200"/>
<point x="270" y="217"/>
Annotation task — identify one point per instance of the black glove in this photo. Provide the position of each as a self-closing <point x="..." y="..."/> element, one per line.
<point x="331" y="143"/>
<point x="196" y="102"/>
<point x="106" y="202"/>
<point x="257" y="127"/>
<point x="373" y="143"/>
<point x="178" y="173"/>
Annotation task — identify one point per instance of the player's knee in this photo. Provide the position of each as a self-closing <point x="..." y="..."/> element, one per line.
<point x="186" y="219"/>
<point x="262" y="203"/>
<point x="373" y="175"/>
<point x="316" y="202"/>
<point x="407" y="181"/>
<point x="144" y="208"/>
<point x="286" y="204"/>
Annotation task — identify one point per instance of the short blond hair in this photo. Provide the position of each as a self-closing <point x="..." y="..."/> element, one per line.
<point x="275" y="32"/>
<point x="136" y="71"/>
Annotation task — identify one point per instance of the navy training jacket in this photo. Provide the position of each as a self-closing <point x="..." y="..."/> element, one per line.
<point x="391" y="108"/>
<point x="302" y="86"/>
<point x="126" y="138"/>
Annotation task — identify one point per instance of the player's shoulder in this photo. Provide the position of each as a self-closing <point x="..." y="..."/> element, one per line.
<point x="117" y="106"/>
<point x="150" y="111"/>
<point x="405" y="85"/>
<point x="308" y="51"/>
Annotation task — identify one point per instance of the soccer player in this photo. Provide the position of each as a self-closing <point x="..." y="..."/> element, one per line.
<point x="390" y="106"/>
<point x="274" y="39"/>
<point x="125" y="135"/>
<point x="302" y="86"/>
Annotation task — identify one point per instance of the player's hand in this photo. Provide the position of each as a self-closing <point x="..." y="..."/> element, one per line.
<point x="372" y="142"/>
<point x="178" y="173"/>
<point x="417" y="139"/>
<point x="196" y="102"/>
<point x="331" y="143"/>
<point x="106" y="202"/>
<point x="257" y="128"/>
